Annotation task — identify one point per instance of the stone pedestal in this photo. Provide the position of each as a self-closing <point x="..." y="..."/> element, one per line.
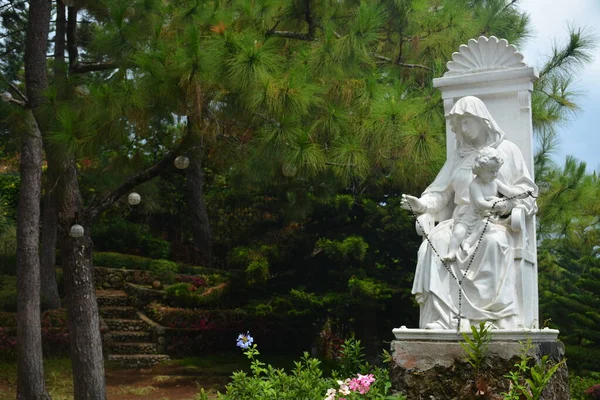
<point x="431" y="365"/>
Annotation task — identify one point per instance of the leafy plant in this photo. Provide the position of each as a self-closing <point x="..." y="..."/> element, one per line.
<point x="306" y="380"/>
<point x="530" y="381"/>
<point x="476" y="348"/>
<point x="163" y="269"/>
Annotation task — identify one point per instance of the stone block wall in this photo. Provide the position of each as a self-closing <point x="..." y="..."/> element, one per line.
<point x="438" y="370"/>
<point x="111" y="278"/>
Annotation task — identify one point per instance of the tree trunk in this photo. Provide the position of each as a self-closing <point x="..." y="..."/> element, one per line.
<point x="49" y="288"/>
<point x="197" y="210"/>
<point x="82" y="308"/>
<point x="29" y="335"/>
<point x="30" y="379"/>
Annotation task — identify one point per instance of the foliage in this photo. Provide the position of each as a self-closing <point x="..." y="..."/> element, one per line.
<point x="196" y="319"/>
<point x="568" y="260"/>
<point x="530" y="381"/>
<point x="593" y="392"/>
<point x="306" y="380"/>
<point x="8" y="345"/>
<point x="122" y="236"/>
<point x="8" y="293"/>
<point x="579" y="385"/>
<point x="163" y="269"/>
<point x="9" y="195"/>
<point x="189" y="295"/>
<point x="351" y="248"/>
<point x="255" y="261"/>
<point x="476" y="349"/>
<point x="121" y="261"/>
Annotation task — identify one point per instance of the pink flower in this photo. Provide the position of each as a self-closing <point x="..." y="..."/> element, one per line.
<point x="362" y="383"/>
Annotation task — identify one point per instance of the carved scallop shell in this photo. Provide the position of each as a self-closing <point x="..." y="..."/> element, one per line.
<point x="484" y="54"/>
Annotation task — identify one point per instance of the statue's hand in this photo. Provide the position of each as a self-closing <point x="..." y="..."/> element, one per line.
<point x="500" y="206"/>
<point x="413" y="203"/>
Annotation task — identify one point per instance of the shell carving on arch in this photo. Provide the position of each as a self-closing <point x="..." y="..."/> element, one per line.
<point x="484" y="54"/>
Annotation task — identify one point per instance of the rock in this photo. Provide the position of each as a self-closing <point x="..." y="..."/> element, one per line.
<point x="430" y="369"/>
<point x="157" y="285"/>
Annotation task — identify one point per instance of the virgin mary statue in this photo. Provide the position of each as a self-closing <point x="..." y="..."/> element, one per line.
<point x="488" y="291"/>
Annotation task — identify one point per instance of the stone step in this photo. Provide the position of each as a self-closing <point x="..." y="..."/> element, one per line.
<point x="133" y="348"/>
<point x="118" y="312"/>
<point x="119" y="324"/>
<point x="112" y="298"/>
<point x="130" y="336"/>
<point x="137" y="360"/>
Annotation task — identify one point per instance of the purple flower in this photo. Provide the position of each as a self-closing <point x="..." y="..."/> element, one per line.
<point x="244" y="340"/>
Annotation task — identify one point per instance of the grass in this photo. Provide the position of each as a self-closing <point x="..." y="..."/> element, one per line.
<point x="137" y="391"/>
<point x="59" y="380"/>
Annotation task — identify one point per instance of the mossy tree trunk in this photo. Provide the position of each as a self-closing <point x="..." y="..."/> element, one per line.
<point x="30" y="381"/>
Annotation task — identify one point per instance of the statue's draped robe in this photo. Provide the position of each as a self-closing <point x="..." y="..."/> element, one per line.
<point x="489" y="289"/>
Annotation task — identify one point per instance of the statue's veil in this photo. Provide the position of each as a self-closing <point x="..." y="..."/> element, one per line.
<point x="472" y="106"/>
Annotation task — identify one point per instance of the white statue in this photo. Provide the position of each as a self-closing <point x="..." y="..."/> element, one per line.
<point x="486" y="268"/>
<point x="484" y="203"/>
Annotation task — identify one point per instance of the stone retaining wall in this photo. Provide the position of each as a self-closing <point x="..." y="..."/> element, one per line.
<point x="142" y="296"/>
<point x="111" y="278"/>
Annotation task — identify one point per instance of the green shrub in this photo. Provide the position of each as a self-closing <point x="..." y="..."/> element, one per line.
<point x="8" y="250"/>
<point x="121" y="261"/>
<point x="306" y="380"/>
<point x="185" y="318"/>
<point x="118" y="235"/>
<point x="8" y="293"/>
<point x="8" y="319"/>
<point x="188" y="295"/>
<point x="10" y="185"/>
<point x="163" y="269"/>
<point x="154" y="247"/>
<point x="579" y="385"/>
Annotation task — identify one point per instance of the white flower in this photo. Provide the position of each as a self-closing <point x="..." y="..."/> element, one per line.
<point x="330" y="394"/>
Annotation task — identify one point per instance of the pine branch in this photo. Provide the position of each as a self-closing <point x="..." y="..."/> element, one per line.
<point x="98" y="206"/>
<point x="12" y="33"/>
<point x="339" y="164"/>
<point x="309" y="20"/>
<point x="405" y="65"/>
<point x="79" y="68"/>
<point x="507" y="6"/>
<point x="291" y="35"/>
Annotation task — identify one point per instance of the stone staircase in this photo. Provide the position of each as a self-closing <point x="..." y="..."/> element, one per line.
<point x="130" y="341"/>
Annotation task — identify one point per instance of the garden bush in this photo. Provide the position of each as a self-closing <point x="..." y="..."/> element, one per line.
<point x="8" y="319"/>
<point x="583" y="387"/>
<point x="163" y="269"/>
<point x="184" y="318"/>
<point x="154" y="247"/>
<point x="188" y="295"/>
<point x="307" y="380"/>
<point x="10" y="185"/>
<point x="121" y="261"/>
<point x="8" y="293"/>
<point x="55" y="334"/>
<point x="120" y="235"/>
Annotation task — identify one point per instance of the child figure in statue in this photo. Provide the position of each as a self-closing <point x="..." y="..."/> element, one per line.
<point x="483" y="194"/>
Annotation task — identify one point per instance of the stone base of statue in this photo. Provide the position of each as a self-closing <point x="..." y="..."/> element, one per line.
<point x="431" y="364"/>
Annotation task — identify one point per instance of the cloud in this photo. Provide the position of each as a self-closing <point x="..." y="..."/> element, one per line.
<point x="550" y="20"/>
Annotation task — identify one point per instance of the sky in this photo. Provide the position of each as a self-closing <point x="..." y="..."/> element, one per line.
<point x="550" y="20"/>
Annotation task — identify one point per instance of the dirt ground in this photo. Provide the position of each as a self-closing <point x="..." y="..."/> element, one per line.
<point x="162" y="382"/>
